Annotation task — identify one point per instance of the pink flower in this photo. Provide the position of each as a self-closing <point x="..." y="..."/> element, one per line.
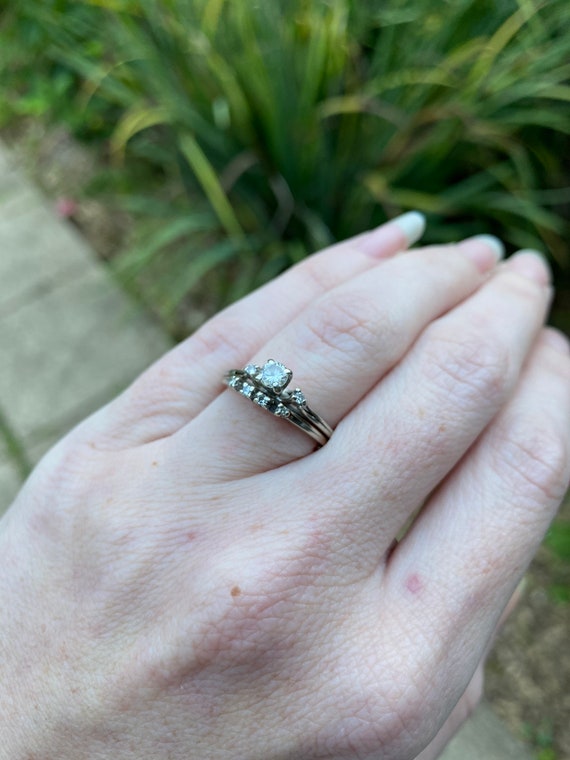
<point x="65" y="207"/>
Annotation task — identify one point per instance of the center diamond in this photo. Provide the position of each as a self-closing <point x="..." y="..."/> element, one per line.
<point x="275" y="375"/>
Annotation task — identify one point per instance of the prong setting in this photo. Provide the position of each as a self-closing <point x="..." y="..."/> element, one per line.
<point x="247" y="390"/>
<point x="298" y="397"/>
<point x="275" y="376"/>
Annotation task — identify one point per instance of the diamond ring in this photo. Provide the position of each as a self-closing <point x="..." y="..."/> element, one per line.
<point x="267" y="385"/>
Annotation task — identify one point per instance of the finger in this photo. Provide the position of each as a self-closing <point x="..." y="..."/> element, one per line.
<point x="430" y="409"/>
<point x="463" y="710"/>
<point x="339" y="347"/>
<point x="512" y="605"/>
<point x="478" y="532"/>
<point x="471" y="696"/>
<point x="181" y="383"/>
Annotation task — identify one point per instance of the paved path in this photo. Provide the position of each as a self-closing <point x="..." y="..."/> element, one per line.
<point x="70" y="339"/>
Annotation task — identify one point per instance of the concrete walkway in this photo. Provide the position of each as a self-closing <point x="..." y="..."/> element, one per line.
<point x="70" y="339"/>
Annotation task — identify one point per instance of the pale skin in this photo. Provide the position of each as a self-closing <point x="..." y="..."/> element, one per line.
<point x="185" y="577"/>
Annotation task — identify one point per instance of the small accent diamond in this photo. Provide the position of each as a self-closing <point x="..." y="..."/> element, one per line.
<point x="235" y="382"/>
<point x="298" y="396"/>
<point x="282" y="411"/>
<point x="261" y="399"/>
<point x="251" y="370"/>
<point x="247" y="390"/>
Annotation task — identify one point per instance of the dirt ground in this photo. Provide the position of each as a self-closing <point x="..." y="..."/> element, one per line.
<point x="528" y="673"/>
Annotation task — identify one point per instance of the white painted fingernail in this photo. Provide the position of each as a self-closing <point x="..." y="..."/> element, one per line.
<point x="494" y="244"/>
<point x="412" y="224"/>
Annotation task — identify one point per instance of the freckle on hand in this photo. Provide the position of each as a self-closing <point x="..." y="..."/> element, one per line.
<point x="236" y="591"/>
<point x="414" y="584"/>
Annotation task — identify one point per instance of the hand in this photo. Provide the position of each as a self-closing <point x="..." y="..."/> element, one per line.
<point x="184" y="577"/>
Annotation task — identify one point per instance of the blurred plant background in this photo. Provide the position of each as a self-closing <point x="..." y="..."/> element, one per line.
<point x="237" y="136"/>
<point x="243" y="135"/>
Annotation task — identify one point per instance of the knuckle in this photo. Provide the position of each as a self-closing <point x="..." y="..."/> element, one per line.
<point x="472" y="368"/>
<point x="150" y="392"/>
<point x="66" y="466"/>
<point x="346" y="323"/>
<point x="315" y="271"/>
<point x="535" y="459"/>
<point x="169" y="374"/>
<point x="224" y="335"/>
<point x="158" y="401"/>
<point x="61" y="486"/>
<point x="524" y="288"/>
<point x="558" y="364"/>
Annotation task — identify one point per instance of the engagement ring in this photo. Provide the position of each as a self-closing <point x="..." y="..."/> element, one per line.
<point x="266" y="386"/>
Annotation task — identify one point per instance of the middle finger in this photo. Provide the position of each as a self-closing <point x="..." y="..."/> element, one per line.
<point x="423" y="418"/>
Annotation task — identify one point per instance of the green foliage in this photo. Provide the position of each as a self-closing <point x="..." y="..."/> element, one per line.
<point x="274" y="128"/>
<point x="558" y="539"/>
<point x="558" y="543"/>
<point x="541" y="737"/>
<point x="547" y="754"/>
<point x="34" y="82"/>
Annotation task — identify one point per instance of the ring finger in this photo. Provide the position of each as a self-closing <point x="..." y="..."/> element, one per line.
<point x="339" y="347"/>
<point x="179" y="385"/>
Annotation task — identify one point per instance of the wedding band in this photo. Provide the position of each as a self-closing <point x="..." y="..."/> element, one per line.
<point x="266" y="386"/>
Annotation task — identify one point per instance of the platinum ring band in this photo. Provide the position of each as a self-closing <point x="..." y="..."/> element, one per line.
<point x="266" y="386"/>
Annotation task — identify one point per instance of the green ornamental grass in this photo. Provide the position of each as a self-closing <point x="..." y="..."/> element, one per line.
<point x="271" y="128"/>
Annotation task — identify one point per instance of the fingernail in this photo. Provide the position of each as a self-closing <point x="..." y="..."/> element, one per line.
<point x="494" y="244"/>
<point x="530" y="264"/>
<point x="556" y="340"/>
<point x="412" y="224"/>
<point x="483" y="250"/>
<point x="386" y="240"/>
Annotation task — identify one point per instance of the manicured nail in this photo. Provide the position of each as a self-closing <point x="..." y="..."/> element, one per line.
<point x="412" y="224"/>
<point x="494" y="244"/>
<point x="483" y="250"/>
<point x="556" y="340"/>
<point x="386" y="240"/>
<point x="530" y="264"/>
